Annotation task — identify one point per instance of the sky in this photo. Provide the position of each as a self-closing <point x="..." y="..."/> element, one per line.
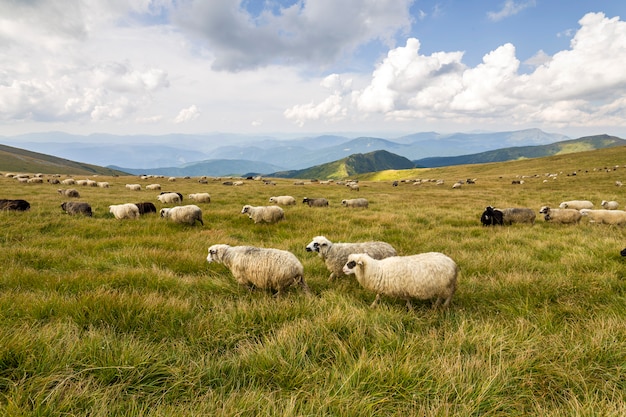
<point x="297" y="67"/>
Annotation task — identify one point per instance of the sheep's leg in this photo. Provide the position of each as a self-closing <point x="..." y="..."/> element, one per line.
<point x="332" y="276"/>
<point x="375" y="301"/>
<point x="437" y="303"/>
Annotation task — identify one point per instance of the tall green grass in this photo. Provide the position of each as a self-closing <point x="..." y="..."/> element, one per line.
<point x="103" y="317"/>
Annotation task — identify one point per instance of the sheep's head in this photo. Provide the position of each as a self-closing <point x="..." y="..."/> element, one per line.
<point x="246" y="209"/>
<point x="317" y="243"/>
<point x="354" y="261"/>
<point x="216" y="252"/>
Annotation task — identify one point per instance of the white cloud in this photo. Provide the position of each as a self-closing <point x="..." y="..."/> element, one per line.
<point x="510" y="8"/>
<point x="187" y="115"/>
<point x="582" y="85"/>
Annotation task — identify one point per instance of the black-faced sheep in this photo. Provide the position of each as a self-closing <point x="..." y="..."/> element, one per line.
<point x="124" y="211"/>
<point x="335" y="255"/>
<point x="70" y="192"/>
<point x="609" y="205"/>
<point x="267" y="214"/>
<point x="491" y="217"/>
<point x="265" y="268"/>
<point x="576" y="204"/>
<point x="283" y="200"/>
<point x="76" y="207"/>
<point x="563" y="216"/>
<point x="616" y="217"/>
<point x="15" y="205"/>
<point x="424" y="276"/>
<point x="200" y="197"/>
<point x="183" y="214"/>
<point x="315" y="202"/>
<point x="146" y="207"/>
<point x="355" y="202"/>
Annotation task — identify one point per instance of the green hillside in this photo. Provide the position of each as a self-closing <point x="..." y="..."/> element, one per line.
<point x="20" y="160"/>
<point x="350" y="166"/>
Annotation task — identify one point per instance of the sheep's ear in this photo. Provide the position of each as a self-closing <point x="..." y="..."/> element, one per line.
<point x="360" y="263"/>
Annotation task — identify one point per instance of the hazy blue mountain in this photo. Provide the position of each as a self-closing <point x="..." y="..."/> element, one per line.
<point x="211" y="168"/>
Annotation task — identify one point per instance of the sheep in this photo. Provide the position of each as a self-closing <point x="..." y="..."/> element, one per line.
<point x="355" y="202"/>
<point x="563" y="216"/>
<point x="423" y="276"/>
<point x="576" y="204"/>
<point x="267" y="214"/>
<point x="153" y="187"/>
<point x="180" y="196"/>
<point x="15" y="205"/>
<point x="200" y="197"/>
<point x="623" y="252"/>
<point x="609" y="205"/>
<point x="183" y="214"/>
<point x="335" y="255"/>
<point x="491" y="217"/>
<point x="69" y="181"/>
<point x="103" y="184"/>
<point x="76" y="207"/>
<point x="616" y="217"/>
<point x="518" y="215"/>
<point x="146" y="207"/>
<point x="315" y="202"/>
<point x="124" y="211"/>
<point x="353" y="187"/>
<point x="70" y="192"/>
<point x="133" y="187"/>
<point x="35" y="180"/>
<point x="264" y="268"/>
<point x="283" y="200"/>
<point x="169" y="198"/>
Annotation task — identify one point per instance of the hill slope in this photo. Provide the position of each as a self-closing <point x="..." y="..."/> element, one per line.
<point x="20" y="160"/>
<point x="586" y="143"/>
<point x="352" y="165"/>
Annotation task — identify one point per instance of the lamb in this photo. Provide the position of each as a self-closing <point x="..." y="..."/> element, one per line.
<point x="146" y="207"/>
<point x="183" y="214"/>
<point x="15" y="205"/>
<point x="200" y="197"/>
<point x="610" y="205"/>
<point x="169" y="198"/>
<point x="70" y="192"/>
<point x="133" y="187"/>
<point x="267" y="214"/>
<point x="335" y="255"/>
<point x="124" y="211"/>
<point x="423" y="276"/>
<point x="264" y="268"/>
<point x="283" y="200"/>
<point x="616" y="217"/>
<point x="355" y="202"/>
<point x="76" y="207"/>
<point x="576" y="204"/>
<point x="315" y="202"/>
<point x="563" y="216"/>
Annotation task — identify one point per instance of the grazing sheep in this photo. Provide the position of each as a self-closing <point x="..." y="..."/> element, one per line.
<point x="335" y="255"/>
<point x="491" y="217"/>
<point x="265" y="268"/>
<point x="180" y="196"/>
<point x="315" y="202"/>
<point x="355" y="202"/>
<point x="267" y="214"/>
<point x="200" y="197"/>
<point x="610" y="205"/>
<point x="169" y="198"/>
<point x="424" y="276"/>
<point x="518" y="215"/>
<point x="563" y="216"/>
<point x="183" y="214"/>
<point x="616" y="217"/>
<point x="103" y="184"/>
<point x="283" y="200"/>
<point x="353" y="187"/>
<point x="69" y="181"/>
<point x="576" y="204"/>
<point x="133" y="187"/>
<point x="124" y="211"/>
<point x="35" y="180"/>
<point x="15" y="205"/>
<point x="76" y="207"/>
<point x="70" y="192"/>
<point x="153" y="187"/>
<point x="146" y="207"/>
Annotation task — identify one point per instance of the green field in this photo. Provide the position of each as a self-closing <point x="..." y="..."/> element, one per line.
<point x="103" y="317"/>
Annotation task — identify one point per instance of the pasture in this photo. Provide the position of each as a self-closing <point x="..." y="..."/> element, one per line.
<point x="106" y="317"/>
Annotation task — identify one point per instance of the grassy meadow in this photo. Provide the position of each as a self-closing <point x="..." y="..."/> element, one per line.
<point x="103" y="317"/>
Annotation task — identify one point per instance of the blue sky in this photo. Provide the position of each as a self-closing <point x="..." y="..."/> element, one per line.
<point x="297" y="67"/>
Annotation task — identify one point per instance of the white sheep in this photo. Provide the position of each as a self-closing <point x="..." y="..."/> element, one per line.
<point x="69" y="192"/>
<point x="200" y="197"/>
<point x="265" y="268"/>
<point x="423" y="276"/>
<point x="183" y="214"/>
<point x="283" y="200"/>
<point x="563" y="216"/>
<point x="616" y="217"/>
<point x="335" y="255"/>
<point x="133" y="187"/>
<point x="124" y="211"/>
<point x="267" y="214"/>
<point x="169" y="198"/>
<point x="103" y="184"/>
<point x="153" y="187"/>
<point x="610" y="205"/>
<point x="355" y="202"/>
<point x="576" y="204"/>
